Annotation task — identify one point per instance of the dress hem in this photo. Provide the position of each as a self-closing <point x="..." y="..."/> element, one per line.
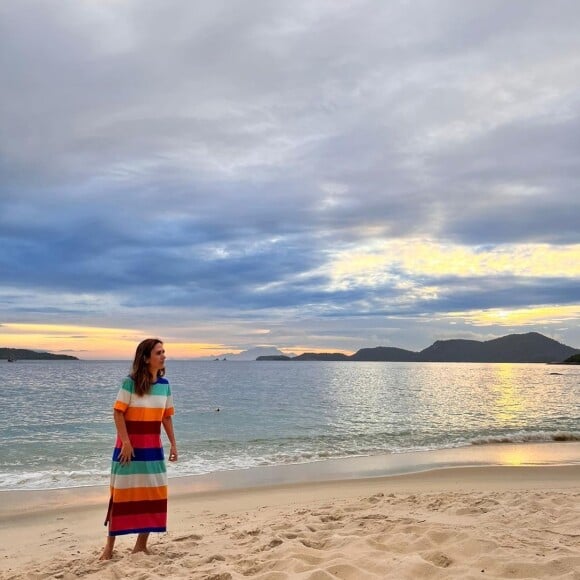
<point x="138" y="531"/>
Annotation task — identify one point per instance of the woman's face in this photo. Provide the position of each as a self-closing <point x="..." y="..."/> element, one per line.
<point x="157" y="359"/>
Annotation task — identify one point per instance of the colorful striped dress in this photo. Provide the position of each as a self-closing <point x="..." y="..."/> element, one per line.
<point x="138" y="501"/>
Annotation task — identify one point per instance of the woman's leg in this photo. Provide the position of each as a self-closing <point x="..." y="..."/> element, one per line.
<point x="141" y="543"/>
<point x="108" y="551"/>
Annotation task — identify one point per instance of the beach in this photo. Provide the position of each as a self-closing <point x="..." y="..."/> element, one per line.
<point x="509" y="520"/>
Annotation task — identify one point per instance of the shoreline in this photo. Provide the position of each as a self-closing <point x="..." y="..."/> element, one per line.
<point x="26" y="502"/>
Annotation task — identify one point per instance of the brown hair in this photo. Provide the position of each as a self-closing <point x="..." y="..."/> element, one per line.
<point x="140" y="370"/>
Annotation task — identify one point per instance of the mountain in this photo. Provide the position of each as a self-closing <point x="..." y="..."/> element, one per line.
<point x="384" y="354"/>
<point x="24" y="354"/>
<point x="250" y="354"/>
<point x="531" y="347"/>
<point x="321" y="356"/>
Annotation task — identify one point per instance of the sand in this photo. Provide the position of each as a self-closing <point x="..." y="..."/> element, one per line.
<point x="464" y="522"/>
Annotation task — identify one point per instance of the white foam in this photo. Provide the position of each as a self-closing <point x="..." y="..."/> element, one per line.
<point x="528" y="437"/>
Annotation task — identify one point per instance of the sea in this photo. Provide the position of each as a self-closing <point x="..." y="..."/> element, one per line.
<point x="57" y="430"/>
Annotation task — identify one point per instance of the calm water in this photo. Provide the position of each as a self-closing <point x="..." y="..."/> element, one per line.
<point x="57" y="430"/>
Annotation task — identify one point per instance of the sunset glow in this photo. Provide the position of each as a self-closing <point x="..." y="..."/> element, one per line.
<point x="373" y="264"/>
<point x="521" y="316"/>
<point x="93" y="342"/>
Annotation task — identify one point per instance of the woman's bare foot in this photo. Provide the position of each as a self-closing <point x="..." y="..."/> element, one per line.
<point x="108" y="550"/>
<point x="141" y="544"/>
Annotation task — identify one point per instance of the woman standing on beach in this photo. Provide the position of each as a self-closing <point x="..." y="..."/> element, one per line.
<point x="138" y="503"/>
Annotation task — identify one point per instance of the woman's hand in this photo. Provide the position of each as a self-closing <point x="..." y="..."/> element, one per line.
<point x="126" y="453"/>
<point x="173" y="453"/>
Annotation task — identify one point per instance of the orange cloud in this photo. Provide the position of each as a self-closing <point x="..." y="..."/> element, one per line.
<point x="92" y="342"/>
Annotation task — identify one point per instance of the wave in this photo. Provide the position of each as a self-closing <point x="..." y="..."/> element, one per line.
<point x="229" y="455"/>
<point x="528" y="437"/>
<point x="53" y="479"/>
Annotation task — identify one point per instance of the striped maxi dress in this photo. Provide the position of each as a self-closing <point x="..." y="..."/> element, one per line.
<point x="138" y="502"/>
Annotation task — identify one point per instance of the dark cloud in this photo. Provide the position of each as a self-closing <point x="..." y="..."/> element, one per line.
<point x="518" y="185"/>
<point x="504" y="291"/>
<point x="214" y="156"/>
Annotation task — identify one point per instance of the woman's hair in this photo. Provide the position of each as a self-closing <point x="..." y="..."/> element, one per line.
<point x="140" y="370"/>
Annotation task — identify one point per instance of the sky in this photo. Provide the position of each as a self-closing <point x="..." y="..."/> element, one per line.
<point x="309" y="175"/>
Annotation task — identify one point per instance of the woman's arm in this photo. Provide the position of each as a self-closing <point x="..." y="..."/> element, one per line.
<point x="127" y="452"/>
<point x="168" y="426"/>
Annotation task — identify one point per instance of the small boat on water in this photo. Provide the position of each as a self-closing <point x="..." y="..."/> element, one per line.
<point x="11" y="358"/>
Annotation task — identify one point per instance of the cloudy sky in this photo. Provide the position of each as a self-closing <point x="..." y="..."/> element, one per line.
<point x="312" y="175"/>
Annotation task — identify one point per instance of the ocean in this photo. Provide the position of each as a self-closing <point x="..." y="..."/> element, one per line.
<point x="57" y="430"/>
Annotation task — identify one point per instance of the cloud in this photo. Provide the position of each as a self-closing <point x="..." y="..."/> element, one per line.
<point x="273" y="163"/>
<point x="521" y="316"/>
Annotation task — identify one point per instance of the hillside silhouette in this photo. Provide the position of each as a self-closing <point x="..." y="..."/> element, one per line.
<point x="25" y="354"/>
<point x="531" y="347"/>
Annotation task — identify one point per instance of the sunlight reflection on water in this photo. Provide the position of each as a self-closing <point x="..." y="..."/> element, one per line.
<point x="58" y="415"/>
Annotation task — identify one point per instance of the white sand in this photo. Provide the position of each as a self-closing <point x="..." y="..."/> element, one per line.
<point x="474" y="522"/>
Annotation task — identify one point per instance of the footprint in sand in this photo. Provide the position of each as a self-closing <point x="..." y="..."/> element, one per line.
<point x="332" y="517"/>
<point x="194" y="537"/>
<point x="374" y="517"/>
<point x="314" y="544"/>
<point x="245" y="533"/>
<point x="274" y="543"/>
<point x="439" y="559"/>
<point x="214" y="558"/>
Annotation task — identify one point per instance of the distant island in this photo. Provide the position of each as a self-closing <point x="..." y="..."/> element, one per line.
<point x="531" y="347"/>
<point x="15" y="354"/>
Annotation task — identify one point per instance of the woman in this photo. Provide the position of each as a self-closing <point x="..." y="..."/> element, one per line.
<point x="138" y="503"/>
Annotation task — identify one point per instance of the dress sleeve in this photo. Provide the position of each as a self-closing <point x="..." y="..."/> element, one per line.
<point x="124" y="395"/>
<point x="169" y="409"/>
